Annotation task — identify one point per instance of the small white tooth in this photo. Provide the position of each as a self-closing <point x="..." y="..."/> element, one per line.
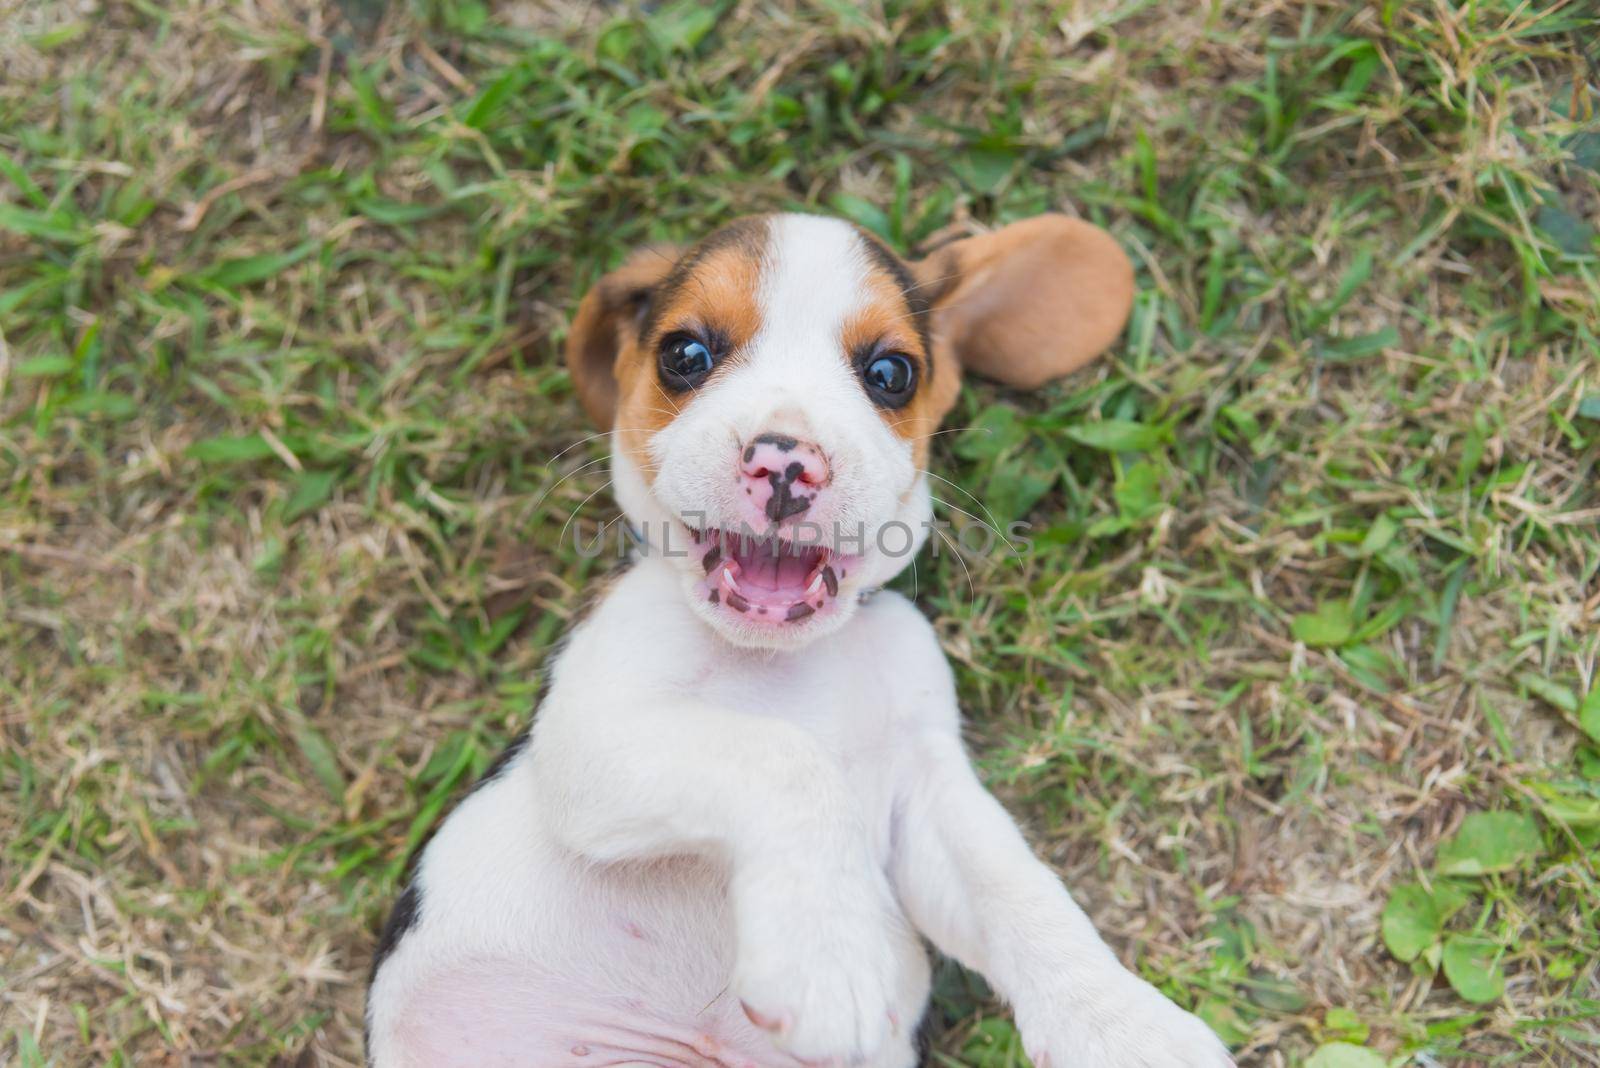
<point x="727" y="577"/>
<point x="816" y="584"/>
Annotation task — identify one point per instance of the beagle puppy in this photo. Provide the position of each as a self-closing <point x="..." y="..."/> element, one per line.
<point x="744" y="802"/>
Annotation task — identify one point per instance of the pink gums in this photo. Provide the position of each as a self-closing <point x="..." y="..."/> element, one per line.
<point x="767" y="578"/>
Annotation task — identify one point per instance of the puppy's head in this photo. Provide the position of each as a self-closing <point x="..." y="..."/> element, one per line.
<point x="771" y="392"/>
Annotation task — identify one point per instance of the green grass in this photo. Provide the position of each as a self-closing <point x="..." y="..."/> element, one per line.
<point x="1314" y="577"/>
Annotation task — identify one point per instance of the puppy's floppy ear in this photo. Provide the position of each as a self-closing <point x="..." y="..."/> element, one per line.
<point x="1029" y="302"/>
<point x="610" y="315"/>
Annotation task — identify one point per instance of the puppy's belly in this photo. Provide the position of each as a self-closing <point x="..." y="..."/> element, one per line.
<point x="622" y="964"/>
<point x="501" y="1014"/>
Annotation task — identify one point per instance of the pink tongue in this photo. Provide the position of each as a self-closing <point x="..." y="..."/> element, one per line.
<point x="770" y="569"/>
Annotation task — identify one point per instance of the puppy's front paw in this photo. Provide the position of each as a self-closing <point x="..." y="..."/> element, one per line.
<point x="820" y="975"/>
<point x="1124" y="1023"/>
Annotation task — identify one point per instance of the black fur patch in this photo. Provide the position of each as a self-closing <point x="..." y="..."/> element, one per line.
<point x="924" y="1042"/>
<point x="918" y="305"/>
<point x="497" y="766"/>
<point x="403" y="917"/>
<point x="750" y="234"/>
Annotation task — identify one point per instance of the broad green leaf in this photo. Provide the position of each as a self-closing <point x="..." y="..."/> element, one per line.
<point x="1585" y="149"/>
<point x="682" y="26"/>
<point x="1490" y="842"/>
<point x="370" y="102"/>
<point x="864" y="213"/>
<point x="1016" y="485"/>
<point x="1450" y="896"/>
<point x="269" y="558"/>
<point x="41" y="226"/>
<point x="1331" y="624"/>
<point x="1357" y="348"/>
<point x="1241" y="420"/>
<point x="44" y="367"/>
<point x="310" y="491"/>
<point x="1276" y="994"/>
<point x="1354" y="277"/>
<point x="1344" y="1055"/>
<point x="111" y="405"/>
<point x="1551" y="692"/>
<point x="231" y="450"/>
<point x="1473" y="967"/>
<point x="1118" y="435"/>
<point x="644" y="120"/>
<point x="24" y="182"/>
<point x="395" y="212"/>
<point x="1414" y="918"/>
<point x="1578" y="809"/>
<point x="449" y="759"/>
<point x="1410" y="922"/>
<point x="247" y="270"/>
<point x="60" y="35"/>
<point x="1138" y="491"/>
<point x="1371" y="664"/>
<point x="1346" y="1024"/>
<point x="618" y="40"/>
<point x="996" y="430"/>
<point x="482" y="110"/>
<point x="320" y="755"/>
<point x="468" y="16"/>
<point x="984" y="169"/>
<point x="1565" y="228"/>
<point x="1379" y="535"/>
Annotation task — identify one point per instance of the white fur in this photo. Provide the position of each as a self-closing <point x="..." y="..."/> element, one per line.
<point x="793" y="379"/>
<point x="697" y="824"/>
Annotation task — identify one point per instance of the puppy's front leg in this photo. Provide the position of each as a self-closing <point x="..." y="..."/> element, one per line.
<point x="815" y="920"/>
<point x="968" y="879"/>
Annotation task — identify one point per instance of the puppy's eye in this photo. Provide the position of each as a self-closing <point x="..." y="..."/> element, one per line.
<point x="685" y="361"/>
<point x="890" y="378"/>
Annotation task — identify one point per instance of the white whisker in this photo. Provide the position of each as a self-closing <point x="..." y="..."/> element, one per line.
<point x="993" y="519"/>
<point x="972" y="591"/>
<point x="574" y="513"/>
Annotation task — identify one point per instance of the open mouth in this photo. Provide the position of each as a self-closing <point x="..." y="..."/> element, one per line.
<point x="767" y="578"/>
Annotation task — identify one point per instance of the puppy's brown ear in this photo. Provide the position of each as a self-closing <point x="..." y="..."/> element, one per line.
<point x="1031" y="301"/>
<point x="609" y="316"/>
